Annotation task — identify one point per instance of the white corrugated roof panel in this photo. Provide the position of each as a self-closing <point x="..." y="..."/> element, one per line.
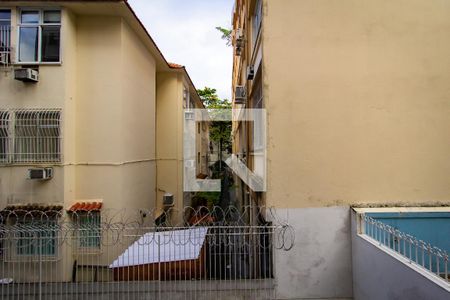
<point x="163" y="246"/>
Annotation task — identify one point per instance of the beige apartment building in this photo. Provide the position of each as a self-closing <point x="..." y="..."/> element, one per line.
<point x="176" y="97"/>
<point x="358" y="114"/>
<point x="90" y="113"/>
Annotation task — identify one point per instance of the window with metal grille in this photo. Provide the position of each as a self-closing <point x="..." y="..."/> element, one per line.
<point x="4" y="136"/>
<point x="30" y="136"/>
<point x="89" y="231"/>
<point x="5" y="36"/>
<point x="37" y="237"/>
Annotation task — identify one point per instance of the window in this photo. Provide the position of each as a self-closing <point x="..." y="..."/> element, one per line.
<point x="30" y="136"/>
<point x="89" y="230"/>
<point x="4" y="136"/>
<point x="257" y="103"/>
<point x="37" y="237"/>
<point x="37" y="136"/>
<point x="185" y="98"/>
<point x="5" y="17"/>
<point x="39" y="36"/>
<point x="257" y="18"/>
<point x="5" y="35"/>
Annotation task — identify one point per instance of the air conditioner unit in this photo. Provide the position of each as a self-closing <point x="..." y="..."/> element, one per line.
<point x="40" y="173"/>
<point x="26" y="75"/>
<point x="240" y="95"/>
<point x="250" y="73"/>
<point x="239" y="42"/>
<point x="189" y="163"/>
<point x="189" y="115"/>
<point x="168" y="200"/>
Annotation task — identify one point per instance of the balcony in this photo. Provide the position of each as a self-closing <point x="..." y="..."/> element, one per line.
<point x="5" y="45"/>
<point x="400" y="253"/>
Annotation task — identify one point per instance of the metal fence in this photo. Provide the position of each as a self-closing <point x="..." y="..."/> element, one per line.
<point x="99" y="255"/>
<point x="429" y="258"/>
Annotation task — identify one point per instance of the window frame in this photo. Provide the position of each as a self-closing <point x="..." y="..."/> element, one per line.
<point x="10" y="14"/>
<point x="79" y="218"/>
<point x="7" y="48"/>
<point x="5" y="141"/>
<point x="53" y="121"/>
<point x="39" y="25"/>
<point x="53" y="237"/>
<point x="256" y="20"/>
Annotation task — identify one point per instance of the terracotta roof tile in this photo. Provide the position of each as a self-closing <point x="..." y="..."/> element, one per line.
<point x="175" y="66"/>
<point x="85" y="206"/>
<point x="33" y="207"/>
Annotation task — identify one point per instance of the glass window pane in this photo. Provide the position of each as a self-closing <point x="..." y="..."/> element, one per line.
<point x="5" y="14"/>
<point x="31" y="17"/>
<point x="52" y="16"/>
<point x="50" y="43"/>
<point x="28" y="44"/>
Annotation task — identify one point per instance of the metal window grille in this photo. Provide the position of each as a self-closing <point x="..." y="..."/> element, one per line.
<point x="30" y="136"/>
<point x="5" y="36"/>
<point x="36" y="237"/>
<point x="5" y="44"/>
<point x="89" y="231"/>
<point x="4" y="135"/>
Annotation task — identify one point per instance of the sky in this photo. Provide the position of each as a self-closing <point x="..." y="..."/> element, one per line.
<point x="184" y="31"/>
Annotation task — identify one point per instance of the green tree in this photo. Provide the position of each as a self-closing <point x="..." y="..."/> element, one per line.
<point x="219" y="131"/>
<point x="226" y="34"/>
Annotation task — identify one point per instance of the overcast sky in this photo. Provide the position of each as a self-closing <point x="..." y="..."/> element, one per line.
<point x="184" y="31"/>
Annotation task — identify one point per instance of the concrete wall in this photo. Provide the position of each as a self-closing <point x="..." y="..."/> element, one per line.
<point x="379" y="274"/>
<point x="358" y="101"/>
<point x="176" y="290"/>
<point x="319" y="266"/>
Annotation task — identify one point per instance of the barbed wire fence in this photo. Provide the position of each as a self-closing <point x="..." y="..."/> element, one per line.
<point x="191" y="253"/>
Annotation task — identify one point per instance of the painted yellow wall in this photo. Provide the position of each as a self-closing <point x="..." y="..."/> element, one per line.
<point x="105" y="87"/>
<point x="358" y="101"/>
<point x="115" y="115"/>
<point x="54" y="90"/>
<point x="169" y="138"/>
<point x="169" y="145"/>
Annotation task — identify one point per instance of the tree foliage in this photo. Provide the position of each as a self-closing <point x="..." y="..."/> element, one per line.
<point x="211" y="100"/>
<point x="226" y="34"/>
<point x="219" y="131"/>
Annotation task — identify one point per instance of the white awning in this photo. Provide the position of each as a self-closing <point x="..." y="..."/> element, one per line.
<point x="163" y="246"/>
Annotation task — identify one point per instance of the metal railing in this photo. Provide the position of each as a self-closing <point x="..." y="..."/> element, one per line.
<point x="98" y="255"/>
<point x="426" y="256"/>
<point x="5" y="45"/>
